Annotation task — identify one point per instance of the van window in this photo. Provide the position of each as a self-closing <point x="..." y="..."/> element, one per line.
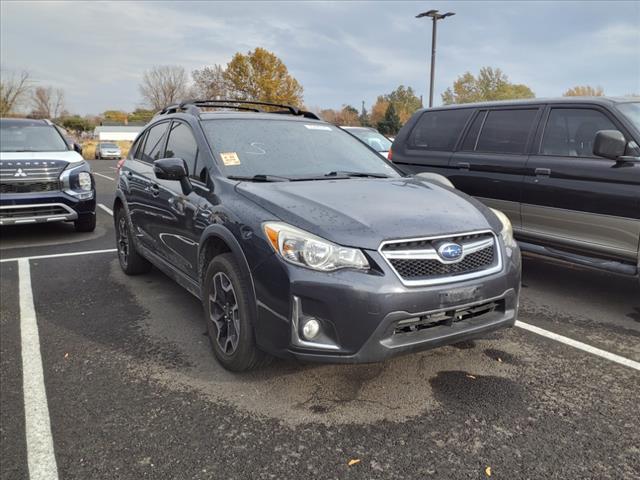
<point x="570" y="132"/>
<point x="438" y="130"/>
<point x="506" y="131"/>
<point x="471" y="139"/>
<point x="154" y="143"/>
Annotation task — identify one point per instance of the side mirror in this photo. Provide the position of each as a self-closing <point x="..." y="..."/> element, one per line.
<point x="77" y="147"/>
<point x="609" y="144"/>
<point x="173" y="169"/>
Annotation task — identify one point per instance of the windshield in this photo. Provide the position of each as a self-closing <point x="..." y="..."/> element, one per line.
<point x="30" y="138"/>
<point x="374" y="139"/>
<point x="289" y="149"/>
<point x="632" y="112"/>
<point x="108" y="145"/>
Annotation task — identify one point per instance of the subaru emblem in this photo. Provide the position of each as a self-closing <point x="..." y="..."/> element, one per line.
<point x="450" y="251"/>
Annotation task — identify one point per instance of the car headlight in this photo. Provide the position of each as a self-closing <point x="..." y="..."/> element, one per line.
<point x="507" y="229"/>
<point x="76" y="181"/>
<point x="307" y="250"/>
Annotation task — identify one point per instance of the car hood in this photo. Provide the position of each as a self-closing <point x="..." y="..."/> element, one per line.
<point x="70" y="156"/>
<point x="364" y="212"/>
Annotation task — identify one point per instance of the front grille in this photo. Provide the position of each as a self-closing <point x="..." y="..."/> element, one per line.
<point x="12" y="171"/>
<point x="447" y="318"/>
<point x="34" y="211"/>
<point x="29" y="187"/>
<point x="417" y="268"/>
<point x="417" y="261"/>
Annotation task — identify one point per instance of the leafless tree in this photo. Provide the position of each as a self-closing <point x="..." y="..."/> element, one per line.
<point x="12" y="90"/>
<point x="47" y="102"/>
<point x="209" y="83"/>
<point x="163" y="85"/>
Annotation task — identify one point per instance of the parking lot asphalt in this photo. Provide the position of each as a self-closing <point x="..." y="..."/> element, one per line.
<point x="133" y="390"/>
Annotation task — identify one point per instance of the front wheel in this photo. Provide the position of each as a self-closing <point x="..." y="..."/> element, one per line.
<point x="131" y="262"/>
<point x="227" y="304"/>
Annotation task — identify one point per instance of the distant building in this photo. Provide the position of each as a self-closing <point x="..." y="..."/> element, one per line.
<point x="117" y="132"/>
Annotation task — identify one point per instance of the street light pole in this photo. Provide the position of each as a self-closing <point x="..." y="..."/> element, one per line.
<point x="435" y="16"/>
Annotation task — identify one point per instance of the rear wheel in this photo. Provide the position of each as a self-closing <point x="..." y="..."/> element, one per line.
<point x="229" y="316"/>
<point x="131" y="262"/>
<point x="86" y="223"/>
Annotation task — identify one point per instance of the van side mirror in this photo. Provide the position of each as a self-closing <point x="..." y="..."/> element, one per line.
<point x="77" y="147"/>
<point x="609" y="144"/>
<point x="173" y="169"/>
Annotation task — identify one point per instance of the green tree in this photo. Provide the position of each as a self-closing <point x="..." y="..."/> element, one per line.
<point x="490" y="84"/>
<point x="405" y="102"/>
<point x="390" y="124"/>
<point x="115" y="116"/>
<point x="76" y="123"/>
<point x="261" y="75"/>
<point x="584" y="91"/>
<point x="140" y="115"/>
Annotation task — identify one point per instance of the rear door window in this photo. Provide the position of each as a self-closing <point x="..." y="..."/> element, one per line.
<point x="506" y="131"/>
<point x="570" y="132"/>
<point x="153" y="146"/>
<point x="439" y="129"/>
<point x="470" y="141"/>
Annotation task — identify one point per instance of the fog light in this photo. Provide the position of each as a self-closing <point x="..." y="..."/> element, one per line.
<point x="311" y="328"/>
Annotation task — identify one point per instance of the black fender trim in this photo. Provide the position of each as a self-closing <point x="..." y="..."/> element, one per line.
<point x="222" y="233"/>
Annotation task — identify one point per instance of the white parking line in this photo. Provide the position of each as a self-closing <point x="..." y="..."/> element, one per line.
<point x="113" y="168"/>
<point x="58" y="255"/>
<point x="104" y="176"/>
<point x="41" y="458"/>
<point x="106" y="209"/>
<point x="579" y="345"/>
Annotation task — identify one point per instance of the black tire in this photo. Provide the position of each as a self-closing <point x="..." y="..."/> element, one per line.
<point x="233" y="322"/>
<point x="85" y="224"/>
<point x="131" y="262"/>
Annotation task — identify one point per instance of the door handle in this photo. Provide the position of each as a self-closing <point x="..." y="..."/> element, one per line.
<point x="542" y="172"/>
<point x="464" y="165"/>
<point x="155" y="189"/>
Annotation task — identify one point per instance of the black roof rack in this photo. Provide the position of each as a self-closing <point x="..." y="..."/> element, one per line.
<point x="193" y="107"/>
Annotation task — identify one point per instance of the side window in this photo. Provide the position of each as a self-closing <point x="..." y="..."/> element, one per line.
<point x="153" y="145"/>
<point x="471" y="139"/>
<point x="570" y="131"/>
<point x="136" y="148"/>
<point x="438" y="130"/>
<point x="506" y="131"/>
<point x="182" y="144"/>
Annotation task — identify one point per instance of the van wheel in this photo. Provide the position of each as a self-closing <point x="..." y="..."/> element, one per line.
<point x="226" y="299"/>
<point x="131" y="262"/>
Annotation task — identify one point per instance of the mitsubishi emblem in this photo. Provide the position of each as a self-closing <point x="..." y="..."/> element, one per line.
<point x="19" y="173"/>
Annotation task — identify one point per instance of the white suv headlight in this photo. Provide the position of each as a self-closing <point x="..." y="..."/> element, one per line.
<point x="507" y="229"/>
<point x="307" y="250"/>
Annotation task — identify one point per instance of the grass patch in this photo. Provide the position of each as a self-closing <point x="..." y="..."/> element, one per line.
<point x="89" y="148"/>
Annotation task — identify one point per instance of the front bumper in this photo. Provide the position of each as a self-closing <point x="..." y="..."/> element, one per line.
<point x="364" y="316"/>
<point x="57" y="206"/>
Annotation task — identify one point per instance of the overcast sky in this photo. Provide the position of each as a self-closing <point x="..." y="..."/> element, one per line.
<point x="341" y="52"/>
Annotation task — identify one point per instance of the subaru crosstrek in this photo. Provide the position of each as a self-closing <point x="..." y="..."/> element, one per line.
<point x="303" y="242"/>
<point x="42" y="178"/>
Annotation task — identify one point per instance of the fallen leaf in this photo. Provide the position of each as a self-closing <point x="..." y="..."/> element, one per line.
<point x="353" y="461"/>
<point x="499" y="359"/>
<point x="487" y="471"/>
<point x="471" y="376"/>
<point x="66" y="355"/>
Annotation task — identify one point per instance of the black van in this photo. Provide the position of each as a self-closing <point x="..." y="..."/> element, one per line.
<point x="565" y="171"/>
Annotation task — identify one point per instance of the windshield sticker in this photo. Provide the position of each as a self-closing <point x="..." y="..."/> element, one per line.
<point x="230" y="158"/>
<point x="318" y="127"/>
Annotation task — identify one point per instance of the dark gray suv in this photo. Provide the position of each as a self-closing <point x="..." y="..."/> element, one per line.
<point x="303" y="242"/>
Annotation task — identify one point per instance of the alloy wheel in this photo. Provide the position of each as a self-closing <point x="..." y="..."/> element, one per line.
<point x="224" y="313"/>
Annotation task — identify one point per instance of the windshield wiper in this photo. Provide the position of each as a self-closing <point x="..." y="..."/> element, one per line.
<point x="345" y="173"/>
<point x="259" y="178"/>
